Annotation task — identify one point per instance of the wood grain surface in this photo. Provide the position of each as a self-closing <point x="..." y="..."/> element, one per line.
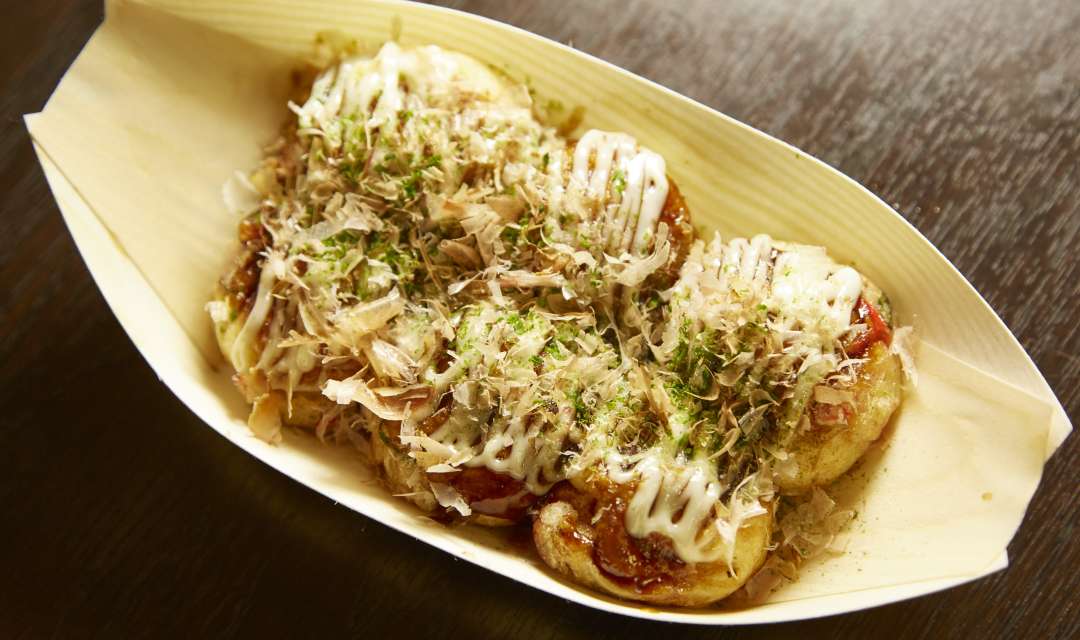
<point x="124" y="516"/>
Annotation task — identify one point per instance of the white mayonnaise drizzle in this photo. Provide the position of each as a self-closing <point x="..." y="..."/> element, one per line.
<point x="612" y="168"/>
<point x="813" y="292"/>
<point x="511" y="446"/>
<point x="366" y="88"/>
<point x="809" y="296"/>
<point x="375" y="91"/>
<point x="678" y="499"/>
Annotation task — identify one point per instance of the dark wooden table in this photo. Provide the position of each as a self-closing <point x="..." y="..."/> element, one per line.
<point x="123" y="515"/>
